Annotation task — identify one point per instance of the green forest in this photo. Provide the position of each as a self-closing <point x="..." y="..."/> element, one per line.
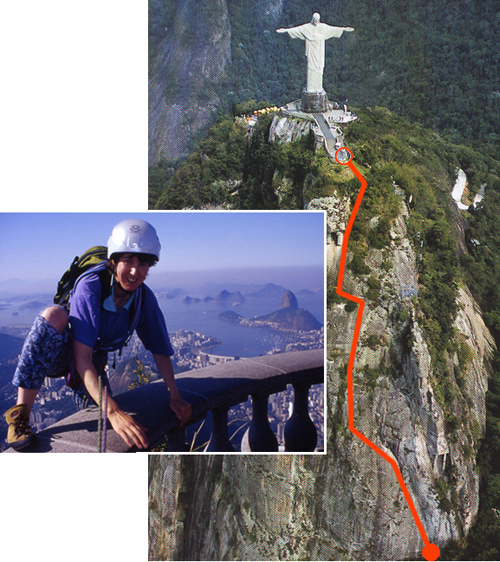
<point x="435" y="63"/>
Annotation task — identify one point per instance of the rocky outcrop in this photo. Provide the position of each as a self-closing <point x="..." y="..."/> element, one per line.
<point x="191" y="63"/>
<point x="289" y="300"/>
<point x="290" y="316"/>
<point x="224" y="297"/>
<point x="165" y="511"/>
<point x="338" y="211"/>
<point x="286" y="130"/>
<point x="348" y="503"/>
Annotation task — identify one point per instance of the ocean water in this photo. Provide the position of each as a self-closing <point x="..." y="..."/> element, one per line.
<point x="23" y="309"/>
<point x="238" y="340"/>
<point x="199" y="317"/>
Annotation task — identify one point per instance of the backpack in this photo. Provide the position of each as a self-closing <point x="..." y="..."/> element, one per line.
<point x="80" y="265"/>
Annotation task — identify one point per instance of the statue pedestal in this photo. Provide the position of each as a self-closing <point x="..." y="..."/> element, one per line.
<point x="314" y="102"/>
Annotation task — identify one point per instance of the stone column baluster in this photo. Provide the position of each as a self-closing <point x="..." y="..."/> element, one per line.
<point x="300" y="433"/>
<point x="261" y="437"/>
<point x="219" y="441"/>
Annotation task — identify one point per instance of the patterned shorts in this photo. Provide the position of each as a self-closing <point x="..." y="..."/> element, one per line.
<point x="48" y="353"/>
<point x="45" y="353"/>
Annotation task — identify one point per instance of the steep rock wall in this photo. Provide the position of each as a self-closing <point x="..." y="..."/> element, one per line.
<point x="191" y="64"/>
<point x="165" y="528"/>
<point x="348" y="504"/>
<point x="396" y="404"/>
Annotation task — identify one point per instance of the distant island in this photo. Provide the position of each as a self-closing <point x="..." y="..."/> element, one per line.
<point x="231" y="316"/>
<point x="289" y="317"/>
<point x="223" y="297"/>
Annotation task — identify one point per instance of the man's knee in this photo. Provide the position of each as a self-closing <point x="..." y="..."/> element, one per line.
<point x="57" y="317"/>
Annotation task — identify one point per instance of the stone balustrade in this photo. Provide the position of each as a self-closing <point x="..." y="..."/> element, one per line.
<point x="213" y="390"/>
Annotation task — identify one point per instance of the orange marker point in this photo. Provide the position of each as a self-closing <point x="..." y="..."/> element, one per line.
<point x="431" y="552"/>
<point x="344" y="157"/>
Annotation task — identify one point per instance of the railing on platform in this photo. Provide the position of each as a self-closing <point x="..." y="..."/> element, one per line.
<point x="213" y="390"/>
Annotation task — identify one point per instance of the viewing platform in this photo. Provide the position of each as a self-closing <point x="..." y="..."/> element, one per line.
<point x="213" y="390"/>
<point x="335" y="114"/>
<point x="326" y="125"/>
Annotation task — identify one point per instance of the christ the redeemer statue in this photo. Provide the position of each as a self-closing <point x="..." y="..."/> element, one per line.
<point x="315" y="34"/>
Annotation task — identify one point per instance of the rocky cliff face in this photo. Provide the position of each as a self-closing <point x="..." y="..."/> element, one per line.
<point x="347" y="504"/>
<point x="289" y="300"/>
<point x="399" y="404"/>
<point x="191" y="64"/>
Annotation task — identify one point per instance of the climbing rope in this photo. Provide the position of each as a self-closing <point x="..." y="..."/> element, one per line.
<point x="101" y="422"/>
<point x="104" y="421"/>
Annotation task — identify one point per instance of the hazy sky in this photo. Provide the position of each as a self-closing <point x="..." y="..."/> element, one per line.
<point x="40" y="246"/>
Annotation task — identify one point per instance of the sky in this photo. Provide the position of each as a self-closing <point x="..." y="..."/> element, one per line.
<point x="42" y="245"/>
<point x="74" y="132"/>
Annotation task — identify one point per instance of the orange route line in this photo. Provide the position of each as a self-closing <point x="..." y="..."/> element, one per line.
<point x="430" y="550"/>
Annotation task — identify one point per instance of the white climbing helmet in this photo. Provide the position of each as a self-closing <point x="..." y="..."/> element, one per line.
<point x="136" y="236"/>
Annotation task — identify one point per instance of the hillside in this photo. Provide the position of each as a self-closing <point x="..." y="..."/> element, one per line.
<point x="427" y="381"/>
<point x="10" y="347"/>
<point x="240" y="168"/>
<point x="288" y="317"/>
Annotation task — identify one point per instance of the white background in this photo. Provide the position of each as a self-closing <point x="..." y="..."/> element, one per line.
<point x="73" y="137"/>
<point x="73" y="105"/>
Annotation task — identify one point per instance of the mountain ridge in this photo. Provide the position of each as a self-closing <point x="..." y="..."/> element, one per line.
<point x="288" y="317"/>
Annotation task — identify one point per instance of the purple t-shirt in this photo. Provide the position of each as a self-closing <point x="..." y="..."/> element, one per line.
<point x="91" y="324"/>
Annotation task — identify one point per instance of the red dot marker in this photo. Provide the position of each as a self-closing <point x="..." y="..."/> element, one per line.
<point x="431" y="552"/>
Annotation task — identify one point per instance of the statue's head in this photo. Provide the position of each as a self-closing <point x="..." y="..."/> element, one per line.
<point x="315" y="18"/>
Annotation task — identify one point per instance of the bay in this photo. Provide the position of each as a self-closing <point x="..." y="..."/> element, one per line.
<point x="201" y="317"/>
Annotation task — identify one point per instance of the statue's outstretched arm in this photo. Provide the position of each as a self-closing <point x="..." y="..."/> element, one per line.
<point x="292" y="30"/>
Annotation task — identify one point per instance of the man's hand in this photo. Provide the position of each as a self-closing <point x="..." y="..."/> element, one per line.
<point x="181" y="409"/>
<point x="128" y="429"/>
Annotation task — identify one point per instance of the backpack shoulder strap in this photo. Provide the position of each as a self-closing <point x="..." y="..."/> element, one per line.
<point x="104" y="277"/>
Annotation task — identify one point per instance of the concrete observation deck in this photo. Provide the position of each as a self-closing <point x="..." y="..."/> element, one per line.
<point x="326" y="125"/>
<point x="211" y="390"/>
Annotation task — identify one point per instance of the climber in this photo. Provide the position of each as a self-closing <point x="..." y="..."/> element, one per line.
<point x="78" y="343"/>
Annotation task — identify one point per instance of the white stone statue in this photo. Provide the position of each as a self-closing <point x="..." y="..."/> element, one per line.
<point x="315" y="34"/>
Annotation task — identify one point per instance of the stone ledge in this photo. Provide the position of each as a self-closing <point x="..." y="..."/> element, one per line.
<point x="211" y="387"/>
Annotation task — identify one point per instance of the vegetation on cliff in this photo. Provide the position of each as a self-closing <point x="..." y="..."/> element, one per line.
<point x="411" y="58"/>
<point x="398" y="159"/>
